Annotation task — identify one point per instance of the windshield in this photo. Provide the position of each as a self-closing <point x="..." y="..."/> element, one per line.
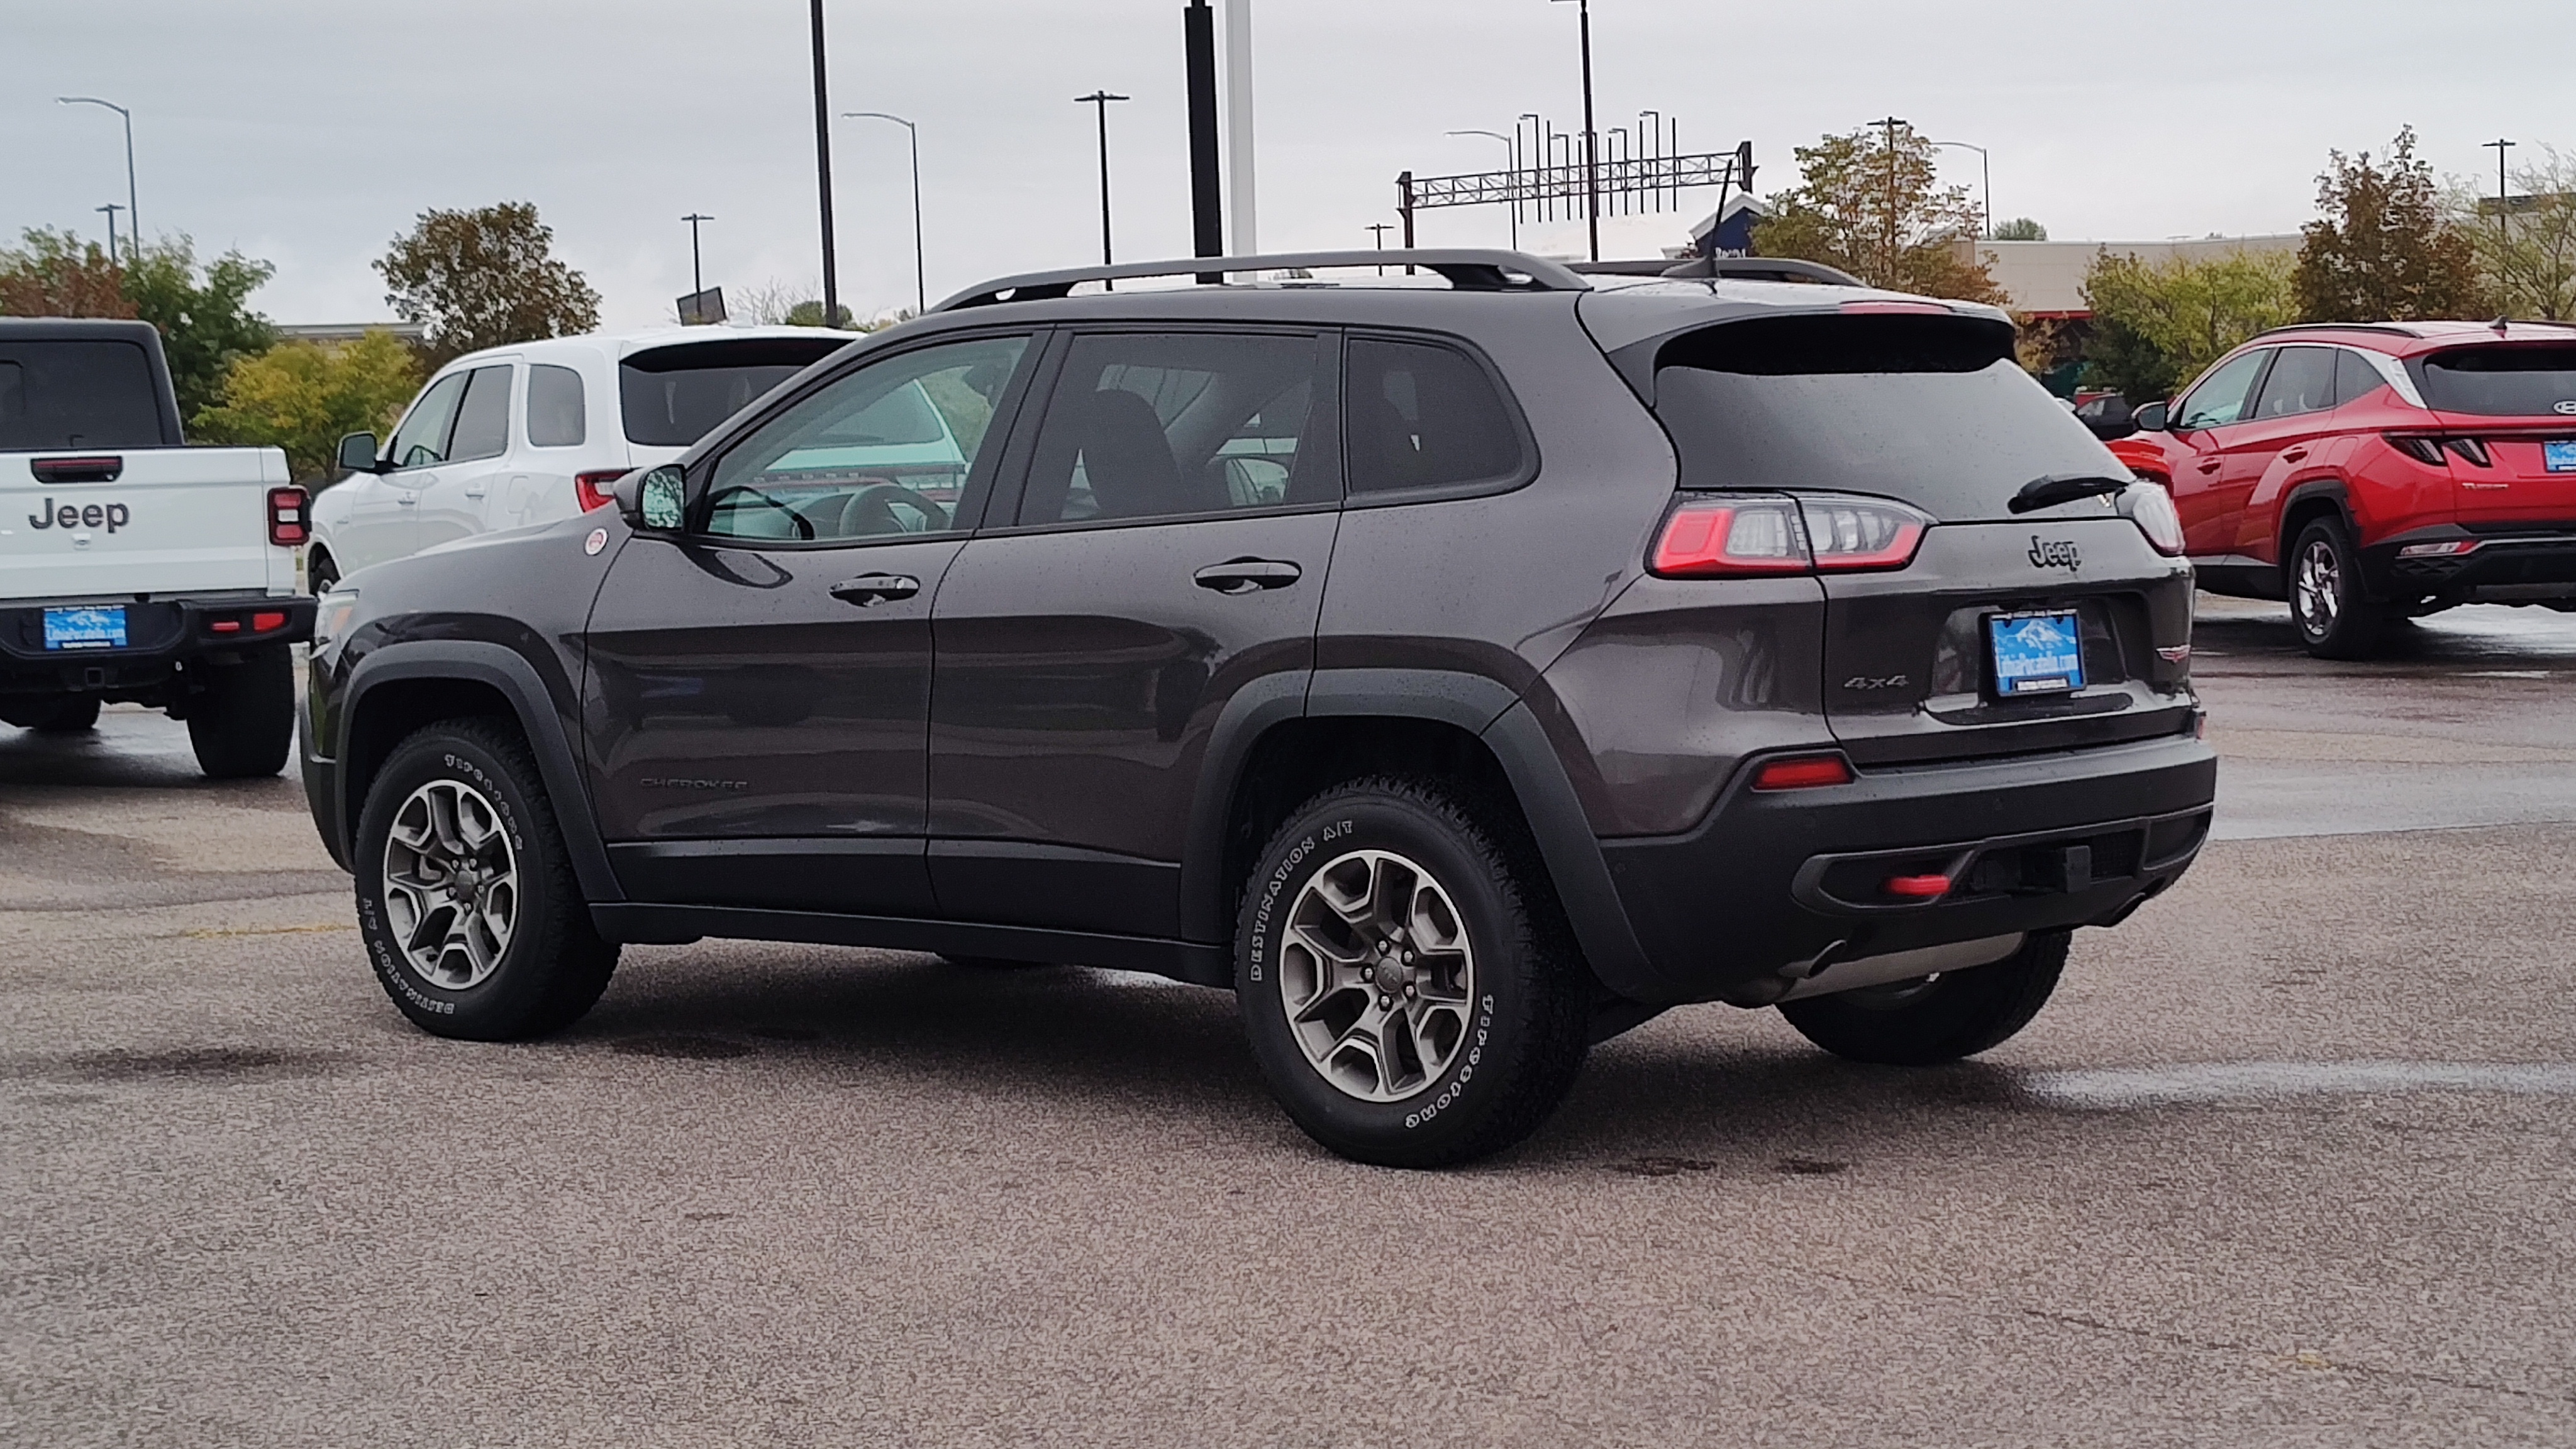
<point x="77" y="395"/>
<point x="2502" y="382"/>
<point x="672" y="396"/>
<point x="1930" y="410"/>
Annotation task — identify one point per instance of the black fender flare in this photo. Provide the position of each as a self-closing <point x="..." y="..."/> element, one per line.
<point x="2334" y="491"/>
<point x="517" y="681"/>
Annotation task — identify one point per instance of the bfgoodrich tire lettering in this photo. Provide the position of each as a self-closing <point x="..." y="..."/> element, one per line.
<point x="554" y="964"/>
<point x="1504" y="1036"/>
<point x="1939" y="1019"/>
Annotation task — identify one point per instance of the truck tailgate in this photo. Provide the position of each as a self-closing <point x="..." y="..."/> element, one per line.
<point x="169" y="521"/>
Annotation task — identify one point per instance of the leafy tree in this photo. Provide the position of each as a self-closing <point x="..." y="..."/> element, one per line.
<point x="303" y="397"/>
<point x="2527" y="253"/>
<point x="2383" y="250"/>
<point x="810" y="314"/>
<point x="2021" y="228"/>
<point x="2158" y="324"/>
<point x="484" y="278"/>
<point x="1875" y="212"/>
<point x="203" y="314"/>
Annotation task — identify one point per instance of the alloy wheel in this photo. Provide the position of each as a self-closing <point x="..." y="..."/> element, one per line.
<point x="2320" y="588"/>
<point x="451" y="885"/>
<point x="1377" y="974"/>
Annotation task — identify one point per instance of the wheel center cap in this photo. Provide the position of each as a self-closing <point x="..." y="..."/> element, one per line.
<point x="1391" y="976"/>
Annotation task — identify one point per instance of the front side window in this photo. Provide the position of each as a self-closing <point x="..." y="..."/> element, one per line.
<point x="557" y="415"/>
<point x="1167" y="425"/>
<point x="2302" y="380"/>
<point x="1424" y="416"/>
<point x="421" y="441"/>
<point x="483" y="418"/>
<point x="885" y="451"/>
<point x="2220" y="399"/>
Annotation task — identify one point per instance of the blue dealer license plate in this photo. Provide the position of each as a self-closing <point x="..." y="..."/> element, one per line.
<point x="99" y="628"/>
<point x="2558" y="457"/>
<point x="2036" y="653"/>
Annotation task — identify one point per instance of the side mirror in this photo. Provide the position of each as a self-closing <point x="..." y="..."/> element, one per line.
<point x="358" y="453"/>
<point x="656" y="498"/>
<point x="2153" y="418"/>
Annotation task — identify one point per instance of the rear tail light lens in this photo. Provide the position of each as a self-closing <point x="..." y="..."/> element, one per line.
<point x="1725" y="535"/>
<point x="2151" y="508"/>
<point x="2424" y="450"/>
<point x="286" y="516"/>
<point x="596" y="490"/>
<point x="1854" y="534"/>
<point x="1803" y="772"/>
<point x="2471" y="450"/>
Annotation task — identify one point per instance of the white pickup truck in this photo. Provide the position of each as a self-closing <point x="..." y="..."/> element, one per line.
<point x="133" y="567"/>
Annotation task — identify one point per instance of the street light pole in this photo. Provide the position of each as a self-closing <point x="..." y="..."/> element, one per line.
<point x="1985" y="173"/>
<point x="920" y="284"/>
<point x="111" y="209"/>
<point x="2499" y="145"/>
<point x="697" y="275"/>
<point x="1381" y="228"/>
<point x="1891" y="123"/>
<point x="823" y="175"/>
<point x="133" y="214"/>
<point x="1591" y="150"/>
<point x="1102" y="99"/>
<point x="1514" y="147"/>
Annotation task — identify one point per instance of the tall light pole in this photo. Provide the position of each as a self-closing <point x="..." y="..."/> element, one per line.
<point x="920" y="286"/>
<point x="1380" y="229"/>
<point x="1986" y="173"/>
<point x="2500" y="145"/>
<point x="111" y="209"/>
<point x="823" y="176"/>
<point x="697" y="275"/>
<point x="1891" y="123"/>
<point x="133" y="214"/>
<point x="1513" y="146"/>
<point x="1238" y="127"/>
<point x="1591" y="149"/>
<point x="1102" y="100"/>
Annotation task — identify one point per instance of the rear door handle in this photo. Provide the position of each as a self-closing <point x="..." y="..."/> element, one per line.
<point x="868" y="590"/>
<point x="2211" y="466"/>
<point x="1248" y="575"/>
<point x="2294" y="455"/>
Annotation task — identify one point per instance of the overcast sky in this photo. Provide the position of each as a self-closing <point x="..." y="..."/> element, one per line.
<point x="311" y="132"/>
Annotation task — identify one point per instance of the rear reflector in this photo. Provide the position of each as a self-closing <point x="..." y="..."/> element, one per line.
<point x="286" y="516"/>
<point x="2447" y="548"/>
<point x="1917" y="887"/>
<point x="596" y="490"/>
<point x="1803" y="772"/>
<point x="262" y="623"/>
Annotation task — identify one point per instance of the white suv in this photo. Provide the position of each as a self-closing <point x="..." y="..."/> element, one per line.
<point x="536" y="432"/>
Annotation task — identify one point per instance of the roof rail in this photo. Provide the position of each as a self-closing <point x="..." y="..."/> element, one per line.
<point x="1751" y="269"/>
<point x="2384" y="329"/>
<point x="1469" y="269"/>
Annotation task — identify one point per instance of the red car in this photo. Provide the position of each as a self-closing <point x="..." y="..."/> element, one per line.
<point x="2365" y="472"/>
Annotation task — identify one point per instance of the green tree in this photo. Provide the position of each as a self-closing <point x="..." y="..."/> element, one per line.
<point x="1877" y="213"/>
<point x="2158" y="324"/>
<point x="2021" y="228"/>
<point x="304" y="397"/>
<point x="203" y="313"/>
<point x="2526" y="252"/>
<point x="2383" y="251"/>
<point x="484" y="278"/>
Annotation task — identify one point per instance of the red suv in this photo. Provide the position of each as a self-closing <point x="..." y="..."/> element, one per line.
<point x="2365" y="472"/>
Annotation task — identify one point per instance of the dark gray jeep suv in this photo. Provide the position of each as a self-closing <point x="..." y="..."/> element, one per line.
<point x="1461" y="668"/>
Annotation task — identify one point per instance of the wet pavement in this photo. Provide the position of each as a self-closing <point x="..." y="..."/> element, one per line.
<point x="2288" y="1161"/>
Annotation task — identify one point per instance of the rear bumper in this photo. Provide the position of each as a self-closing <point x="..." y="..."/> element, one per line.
<point x="162" y="634"/>
<point x="1775" y="885"/>
<point x="2534" y="566"/>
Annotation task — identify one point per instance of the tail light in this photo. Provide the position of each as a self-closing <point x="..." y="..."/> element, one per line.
<point x="1721" y="535"/>
<point x="596" y="490"/>
<point x="2424" y="450"/>
<point x="286" y="516"/>
<point x="2447" y="548"/>
<point x="2471" y="450"/>
<point x="2151" y="508"/>
<point x="1803" y="772"/>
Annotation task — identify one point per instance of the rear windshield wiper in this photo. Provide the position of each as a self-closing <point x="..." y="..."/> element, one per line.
<point x="2056" y="488"/>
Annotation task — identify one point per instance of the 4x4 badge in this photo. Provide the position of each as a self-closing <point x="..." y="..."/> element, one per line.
<point x="2045" y="554"/>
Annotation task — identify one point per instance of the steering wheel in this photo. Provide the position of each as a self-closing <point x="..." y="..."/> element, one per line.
<point x="804" y="525"/>
<point x="874" y="503"/>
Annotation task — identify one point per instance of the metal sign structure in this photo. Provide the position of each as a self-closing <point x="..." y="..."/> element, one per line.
<point x="1610" y="184"/>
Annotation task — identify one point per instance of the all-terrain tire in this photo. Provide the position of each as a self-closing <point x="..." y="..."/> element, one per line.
<point x="321" y="573"/>
<point x="1483" y="1052"/>
<point x="554" y="964"/>
<point x="242" y="718"/>
<point x="2329" y="605"/>
<point x="1940" y="1019"/>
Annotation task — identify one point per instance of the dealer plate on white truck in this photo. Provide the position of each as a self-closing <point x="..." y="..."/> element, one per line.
<point x="101" y="627"/>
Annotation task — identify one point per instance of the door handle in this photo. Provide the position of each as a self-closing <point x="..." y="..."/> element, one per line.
<point x="1248" y="575"/>
<point x="407" y="499"/>
<point x="477" y="488"/>
<point x="2294" y="455"/>
<point x="869" y="590"/>
<point x="2211" y="466"/>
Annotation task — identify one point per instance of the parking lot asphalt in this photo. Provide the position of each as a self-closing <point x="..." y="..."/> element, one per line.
<point x="2290" y="1160"/>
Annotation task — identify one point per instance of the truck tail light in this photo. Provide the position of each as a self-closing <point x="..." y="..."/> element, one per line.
<point x="593" y="490"/>
<point x="286" y="516"/>
<point x="1720" y="537"/>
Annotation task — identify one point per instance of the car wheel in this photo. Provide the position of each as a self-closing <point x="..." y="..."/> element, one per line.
<point x="242" y="719"/>
<point x="1937" y="1018"/>
<point x="472" y="918"/>
<point x="63" y="714"/>
<point x="2335" y="617"/>
<point x="321" y="574"/>
<point x="1410" y="990"/>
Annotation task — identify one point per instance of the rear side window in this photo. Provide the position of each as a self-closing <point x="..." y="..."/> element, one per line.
<point x="1425" y="416"/>
<point x="1930" y="410"/>
<point x="672" y="396"/>
<point x="2355" y="378"/>
<point x="1173" y="424"/>
<point x="2501" y="382"/>
<point x="483" y="421"/>
<point x="557" y="415"/>
<point x="2302" y="380"/>
<point x="77" y="395"/>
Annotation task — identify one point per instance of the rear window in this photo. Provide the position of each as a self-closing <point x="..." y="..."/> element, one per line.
<point x="2501" y="382"/>
<point x="77" y="395"/>
<point x="672" y="396"/>
<point x="1930" y="410"/>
